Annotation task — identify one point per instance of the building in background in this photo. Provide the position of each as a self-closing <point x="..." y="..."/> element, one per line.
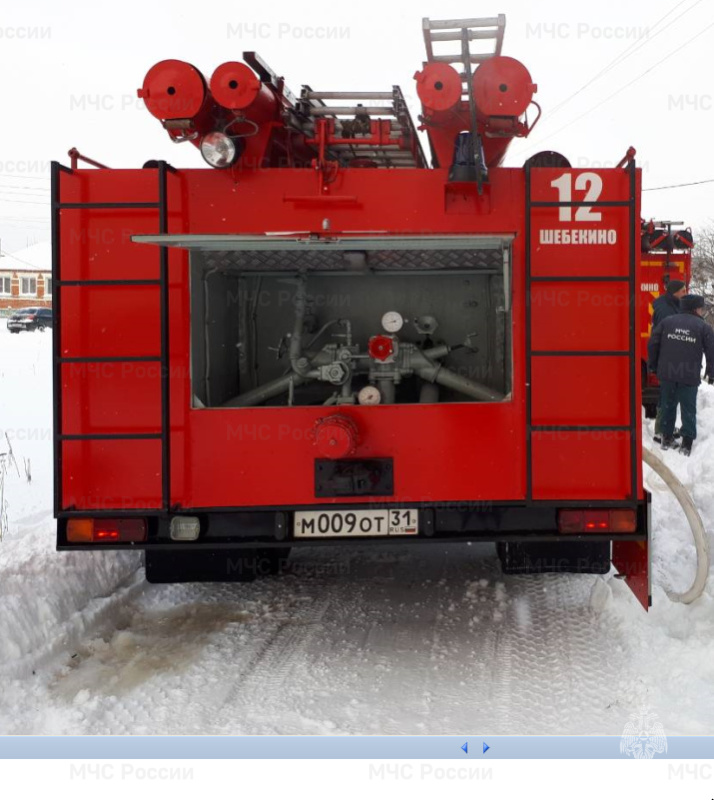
<point x="26" y="277"/>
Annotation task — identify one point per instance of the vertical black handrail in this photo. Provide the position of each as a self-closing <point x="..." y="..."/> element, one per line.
<point x="527" y="259"/>
<point x="56" y="332"/>
<point x="55" y="170"/>
<point x="634" y="309"/>
<point x="165" y="365"/>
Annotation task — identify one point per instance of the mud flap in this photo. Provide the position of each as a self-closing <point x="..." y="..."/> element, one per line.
<point x="532" y="558"/>
<point x="166" y="565"/>
<point x="632" y="559"/>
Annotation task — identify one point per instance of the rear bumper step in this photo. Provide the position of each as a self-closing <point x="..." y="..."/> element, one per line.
<point x="438" y="522"/>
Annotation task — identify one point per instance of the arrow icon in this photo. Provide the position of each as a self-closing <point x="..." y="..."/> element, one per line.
<point x="465" y="747"/>
<point x="485" y="747"/>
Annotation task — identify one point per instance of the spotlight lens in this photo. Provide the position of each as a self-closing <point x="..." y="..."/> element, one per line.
<point x="218" y="150"/>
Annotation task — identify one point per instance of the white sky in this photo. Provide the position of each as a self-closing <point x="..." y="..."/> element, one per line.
<point x="76" y="85"/>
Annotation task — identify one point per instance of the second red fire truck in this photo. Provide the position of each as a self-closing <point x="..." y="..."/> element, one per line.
<point x="666" y="255"/>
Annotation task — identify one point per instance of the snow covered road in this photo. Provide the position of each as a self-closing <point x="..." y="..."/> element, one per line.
<point x="421" y="640"/>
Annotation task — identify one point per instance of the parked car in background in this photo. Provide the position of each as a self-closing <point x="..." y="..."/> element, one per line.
<point x="30" y="319"/>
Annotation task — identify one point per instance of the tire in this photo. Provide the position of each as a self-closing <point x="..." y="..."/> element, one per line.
<point x="166" y="565"/>
<point x="525" y="558"/>
<point x="14" y="331"/>
<point x="40" y="328"/>
<point x="273" y="559"/>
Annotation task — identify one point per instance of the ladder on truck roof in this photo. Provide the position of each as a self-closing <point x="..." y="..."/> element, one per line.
<point x="58" y="359"/>
<point x="463" y="32"/>
<point x="631" y="353"/>
<point x="400" y="148"/>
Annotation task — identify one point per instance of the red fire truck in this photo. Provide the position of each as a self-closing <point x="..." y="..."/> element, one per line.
<point x="321" y="336"/>
<point x="666" y="256"/>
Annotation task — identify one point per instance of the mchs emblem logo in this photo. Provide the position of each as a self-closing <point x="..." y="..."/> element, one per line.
<point x="643" y="736"/>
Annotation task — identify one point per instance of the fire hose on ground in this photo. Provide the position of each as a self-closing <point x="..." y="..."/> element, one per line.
<point x="695" y="523"/>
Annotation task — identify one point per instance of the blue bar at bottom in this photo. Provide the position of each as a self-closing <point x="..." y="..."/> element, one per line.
<point x="478" y="747"/>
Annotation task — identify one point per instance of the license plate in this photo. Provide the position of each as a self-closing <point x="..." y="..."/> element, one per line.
<point x="330" y="524"/>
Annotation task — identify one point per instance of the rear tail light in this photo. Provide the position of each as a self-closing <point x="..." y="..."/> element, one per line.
<point x="99" y="531"/>
<point x="623" y="520"/>
<point x="590" y="520"/>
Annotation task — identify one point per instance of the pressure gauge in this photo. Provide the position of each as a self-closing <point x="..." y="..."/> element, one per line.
<point x="392" y="321"/>
<point x="369" y="396"/>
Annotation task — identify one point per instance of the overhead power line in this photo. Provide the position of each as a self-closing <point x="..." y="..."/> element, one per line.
<point x="25" y="219"/>
<point x="678" y="185"/>
<point x="14" y="186"/>
<point x="23" y="176"/>
<point x="22" y="261"/>
<point x="35" y="195"/>
<point x="30" y="202"/>
<point x="629" y="83"/>
<point x="638" y="44"/>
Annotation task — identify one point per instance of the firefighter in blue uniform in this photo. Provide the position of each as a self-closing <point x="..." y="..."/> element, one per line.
<point x="675" y="355"/>
<point x="665" y="306"/>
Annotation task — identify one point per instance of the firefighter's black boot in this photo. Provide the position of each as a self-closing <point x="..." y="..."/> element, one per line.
<point x="667" y="442"/>
<point x="686" y="447"/>
<point x="676" y="435"/>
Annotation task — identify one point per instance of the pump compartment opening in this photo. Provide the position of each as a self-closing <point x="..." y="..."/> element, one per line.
<point x="368" y="327"/>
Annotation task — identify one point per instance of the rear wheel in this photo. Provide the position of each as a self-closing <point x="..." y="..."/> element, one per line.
<point x="166" y="565"/>
<point x="526" y="558"/>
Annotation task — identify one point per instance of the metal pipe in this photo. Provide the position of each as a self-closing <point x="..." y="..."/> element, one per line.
<point x="387" y="390"/>
<point x="325" y="327"/>
<point x="445" y="377"/>
<point x="458" y="59"/>
<point x="348" y="95"/>
<point x="441" y="351"/>
<point x="76" y="157"/>
<point x="455" y="36"/>
<point x="472" y="22"/>
<point x="206" y="337"/>
<point x="346" y="394"/>
<point x="429" y="393"/>
<point x="356" y="147"/>
<point x="351" y="111"/>
<point x="299" y="364"/>
<point x="285" y="383"/>
<point x="267" y="391"/>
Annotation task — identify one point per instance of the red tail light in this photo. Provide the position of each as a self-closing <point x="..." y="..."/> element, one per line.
<point x="90" y="531"/>
<point x="591" y="520"/>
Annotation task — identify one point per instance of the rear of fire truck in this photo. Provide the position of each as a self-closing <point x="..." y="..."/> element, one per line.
<point x="322" y="337"/>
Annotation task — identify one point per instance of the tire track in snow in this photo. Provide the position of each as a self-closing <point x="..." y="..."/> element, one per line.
<point x="417" y="642"/>
<point x="268" y="670"/>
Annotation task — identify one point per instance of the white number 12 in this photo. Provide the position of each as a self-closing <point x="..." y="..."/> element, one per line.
<point x="588" y="182"/>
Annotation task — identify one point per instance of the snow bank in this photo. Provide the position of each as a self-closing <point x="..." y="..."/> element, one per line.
<point x="47" y="600"/>
<point x="674" y="555"/>
<point x="671" y="649"/>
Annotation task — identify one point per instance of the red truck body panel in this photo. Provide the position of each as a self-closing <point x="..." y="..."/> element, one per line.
<point x="263" y="457"/>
